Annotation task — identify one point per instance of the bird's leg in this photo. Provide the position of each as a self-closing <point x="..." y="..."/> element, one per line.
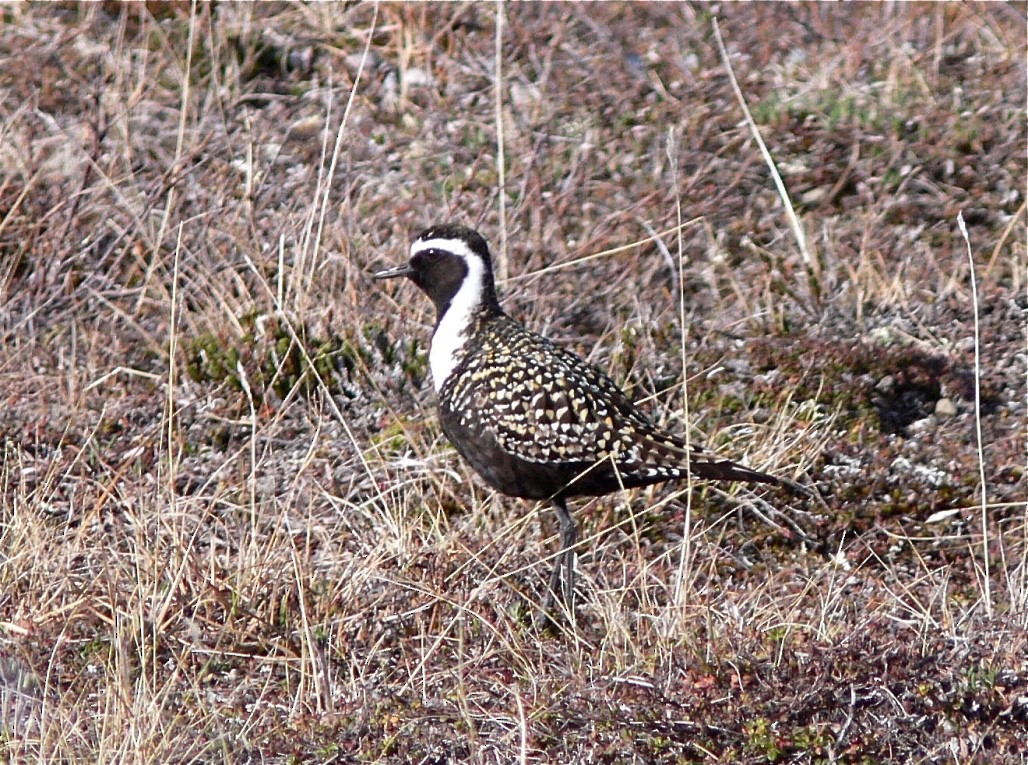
<point x="562" y="580"/>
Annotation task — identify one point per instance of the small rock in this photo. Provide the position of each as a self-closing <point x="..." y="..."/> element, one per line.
<point x="945" y="407"/>
<point x="416" y="77"/>
<point x="813" y="197"/>
<point x="306" y="128"/>
<point x="924" y="425"/>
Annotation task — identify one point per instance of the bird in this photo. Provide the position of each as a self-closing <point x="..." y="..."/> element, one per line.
<point x="533" y="419"/>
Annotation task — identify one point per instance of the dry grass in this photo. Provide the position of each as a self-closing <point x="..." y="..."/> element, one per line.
<point x="230" y="529"/>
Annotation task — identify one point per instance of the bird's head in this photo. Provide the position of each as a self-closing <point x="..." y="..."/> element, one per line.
<point x="450" y="264"/>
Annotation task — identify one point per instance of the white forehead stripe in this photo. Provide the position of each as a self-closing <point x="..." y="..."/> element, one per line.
<point x="454" y="326"/>
<point x="456" y="246"/>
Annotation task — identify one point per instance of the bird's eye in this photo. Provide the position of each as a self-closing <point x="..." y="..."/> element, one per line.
<point x="434" y="256"/>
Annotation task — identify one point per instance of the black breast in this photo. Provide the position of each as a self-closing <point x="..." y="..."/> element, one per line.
<point x="505" y="472"/>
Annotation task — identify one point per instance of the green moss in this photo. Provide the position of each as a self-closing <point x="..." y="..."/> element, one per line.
<point x="392" y="439"/>
<point x="761" y="740"/>
<point x="769" y="110"/>
<point x="979" y="677"/>
<point x="272" y="359"/>
<point x="209" y="358"/>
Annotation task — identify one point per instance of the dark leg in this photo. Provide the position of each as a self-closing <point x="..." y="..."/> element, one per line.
<point x="564" y="567"/>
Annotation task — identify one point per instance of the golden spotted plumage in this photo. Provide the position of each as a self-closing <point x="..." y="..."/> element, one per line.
<point x="542" y="404"/>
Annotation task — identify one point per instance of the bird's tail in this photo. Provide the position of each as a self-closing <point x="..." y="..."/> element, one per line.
<point x="713" y="467"/>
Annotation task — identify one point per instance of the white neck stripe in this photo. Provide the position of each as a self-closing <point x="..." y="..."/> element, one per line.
<point x="454" y="327"/>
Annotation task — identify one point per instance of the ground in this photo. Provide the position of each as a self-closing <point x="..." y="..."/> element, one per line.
<point x="230" y="528"/>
